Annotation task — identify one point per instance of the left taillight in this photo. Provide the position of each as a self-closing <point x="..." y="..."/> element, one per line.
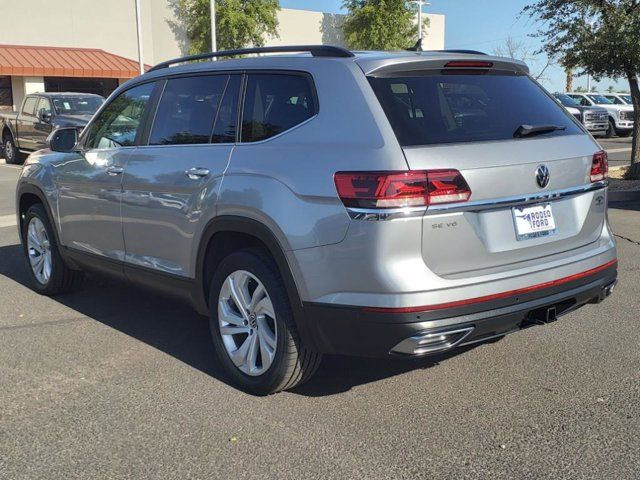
<point x="599" y="166"/>
<point x="412" y="188"/>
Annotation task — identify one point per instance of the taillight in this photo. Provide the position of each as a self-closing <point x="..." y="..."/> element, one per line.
<point x="401" y="189"/>
<point x="599" y="166"/>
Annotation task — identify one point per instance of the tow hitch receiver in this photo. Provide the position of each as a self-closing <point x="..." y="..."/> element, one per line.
<point x="544" y="315"/>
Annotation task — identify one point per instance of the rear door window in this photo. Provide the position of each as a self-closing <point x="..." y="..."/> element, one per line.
<point x="436" y="108"/>
<point x="275" y="103"/>
<point x="188" y="109"/>
<point x="29" y="107"/>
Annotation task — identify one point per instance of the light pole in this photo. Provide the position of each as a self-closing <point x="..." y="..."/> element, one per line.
<point x="139" y="34"/>
<point x="214" y="46"/>
<point x="420" y="3"/>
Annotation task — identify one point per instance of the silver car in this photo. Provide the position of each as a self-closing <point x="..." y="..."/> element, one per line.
<point x="325" y="202"/>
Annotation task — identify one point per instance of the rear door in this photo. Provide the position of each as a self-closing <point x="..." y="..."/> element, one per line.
<point x="25" y="124"/>
<point x="524" y="158"/>
<point x="172" y="181"/>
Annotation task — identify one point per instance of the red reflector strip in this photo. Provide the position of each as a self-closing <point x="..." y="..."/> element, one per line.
<point x="495" y="296"/>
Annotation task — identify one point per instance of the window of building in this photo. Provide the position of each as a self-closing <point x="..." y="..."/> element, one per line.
<point x="275" y="103"/>
<point x="6" y="93"/>
<point x="117" y="125"/>
<point x="100" y="86"/>
<point x="188" y="109"/>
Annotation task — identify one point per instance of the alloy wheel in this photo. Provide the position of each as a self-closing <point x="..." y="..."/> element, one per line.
<point x="8" y="151"/>
<point x="247" y="323"/>
<point x="39" y="249"/>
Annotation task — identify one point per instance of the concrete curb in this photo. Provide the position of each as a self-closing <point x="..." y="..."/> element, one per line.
<point x="624" y="196"/>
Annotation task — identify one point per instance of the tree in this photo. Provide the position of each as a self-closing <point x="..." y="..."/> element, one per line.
<point x="598" y="36"/>
<point x="519" y="50"/>
<point x="239" y="23"/>
<point x="380" y="24"/>
<point x="569" y="85"/>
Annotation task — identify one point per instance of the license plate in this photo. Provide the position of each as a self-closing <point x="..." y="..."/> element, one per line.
<point x="533" y="222"/>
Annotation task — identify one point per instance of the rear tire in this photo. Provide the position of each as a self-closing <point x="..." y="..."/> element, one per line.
<point x="611" y="130"/>
<point x="49" y="274"/>
<point x="11" y="153"/>
<point x="253" y="329"/>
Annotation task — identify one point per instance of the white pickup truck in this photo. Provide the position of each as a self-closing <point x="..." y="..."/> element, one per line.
<point x="620" y="116"/>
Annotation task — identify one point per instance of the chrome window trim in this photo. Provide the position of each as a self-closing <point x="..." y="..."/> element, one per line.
<point x="480" y="205"/>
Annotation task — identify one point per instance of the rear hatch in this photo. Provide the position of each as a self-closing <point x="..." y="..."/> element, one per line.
<point x="526" y="161"/>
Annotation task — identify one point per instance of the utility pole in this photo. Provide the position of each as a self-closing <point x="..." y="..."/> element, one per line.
<point x="420" y="3"/>
<point x="214" y="45"/>
<point x="139" y="34"/>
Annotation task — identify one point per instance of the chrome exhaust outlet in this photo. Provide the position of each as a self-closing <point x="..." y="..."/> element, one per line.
<point x="432" y="342"/>
<point x="608" y="290"/>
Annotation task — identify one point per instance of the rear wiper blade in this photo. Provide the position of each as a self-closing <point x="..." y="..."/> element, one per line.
<point x="528" y="130"/>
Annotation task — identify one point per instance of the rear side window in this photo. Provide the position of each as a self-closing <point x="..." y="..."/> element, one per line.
<point x="438" y="108"/>
<point x="274" y="103"/>
<point x="224" y="130"/>
<point x="29" y="107"/>
<point x="187" y="110"/>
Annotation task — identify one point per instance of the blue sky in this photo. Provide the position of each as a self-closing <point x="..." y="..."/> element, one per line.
<point x="480" y="25"/>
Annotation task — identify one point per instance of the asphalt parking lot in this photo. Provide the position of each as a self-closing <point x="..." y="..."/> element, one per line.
<point x="115" y="382"/>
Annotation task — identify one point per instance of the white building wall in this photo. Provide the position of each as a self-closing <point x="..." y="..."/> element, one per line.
<point x="109" y="25"/>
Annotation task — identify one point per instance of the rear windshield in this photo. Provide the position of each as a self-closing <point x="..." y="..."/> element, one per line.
<point x="434" y="108"/>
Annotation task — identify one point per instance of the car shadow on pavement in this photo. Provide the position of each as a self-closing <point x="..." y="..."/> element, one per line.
<point x="174" y="328"/>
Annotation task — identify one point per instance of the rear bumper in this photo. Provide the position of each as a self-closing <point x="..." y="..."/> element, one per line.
<point x="359" y="331"/>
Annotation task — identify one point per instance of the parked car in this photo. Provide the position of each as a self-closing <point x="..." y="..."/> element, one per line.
<point x="41" y="113"/>
<point x="619" y="98"/>
<point x="378" y="204"/>
<point x="594" y="119"/>
<point x="620" y="116"/>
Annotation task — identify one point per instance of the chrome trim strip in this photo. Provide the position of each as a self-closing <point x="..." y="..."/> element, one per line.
<point x="410" y="212"/>
<point x="387" y="214"/>
<point x="516" y="200"/>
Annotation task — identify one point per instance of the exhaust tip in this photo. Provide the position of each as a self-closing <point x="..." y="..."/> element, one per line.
<point x="432" y="342"/>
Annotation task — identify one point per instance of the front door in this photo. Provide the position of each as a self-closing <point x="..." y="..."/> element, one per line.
<point x="90" y="182"/>
<point x="42" y="125"/>
<point x="171" y="183"/>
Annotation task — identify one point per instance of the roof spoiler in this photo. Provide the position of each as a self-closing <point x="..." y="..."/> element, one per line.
<point x="314" y="50"/>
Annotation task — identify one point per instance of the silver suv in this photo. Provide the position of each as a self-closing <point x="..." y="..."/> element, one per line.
<point x="326" y="202"/>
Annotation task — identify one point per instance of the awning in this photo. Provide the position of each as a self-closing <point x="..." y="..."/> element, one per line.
<point x="64" y="62"/>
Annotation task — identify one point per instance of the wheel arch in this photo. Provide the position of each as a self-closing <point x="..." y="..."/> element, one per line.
<point x="29" y="195"/>
<point x="225" y="234"/>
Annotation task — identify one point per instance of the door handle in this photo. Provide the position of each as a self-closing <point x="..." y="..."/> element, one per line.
<point x="114" y="170"/>
<point x="195" y="173"/>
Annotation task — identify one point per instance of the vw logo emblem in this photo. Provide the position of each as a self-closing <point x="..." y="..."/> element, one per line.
<point x="542" y="176"/>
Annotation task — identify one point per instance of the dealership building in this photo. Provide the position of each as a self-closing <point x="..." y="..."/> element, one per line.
<point x="91" y="46"/>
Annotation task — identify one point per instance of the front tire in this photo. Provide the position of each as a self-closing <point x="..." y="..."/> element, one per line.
<point x="611" y="131"/>
<point x="49" y="274"/>
<point x="252" y="326"/>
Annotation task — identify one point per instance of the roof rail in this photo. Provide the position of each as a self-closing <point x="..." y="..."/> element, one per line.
<point x="314" y="50"/>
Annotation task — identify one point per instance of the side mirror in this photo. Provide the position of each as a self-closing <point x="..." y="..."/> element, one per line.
<point x="63" y="139"/>
<point x="44" y="116"/>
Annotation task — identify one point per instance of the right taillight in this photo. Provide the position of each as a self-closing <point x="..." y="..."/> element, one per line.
<point x="414" y="188"/>
<point x="599" y="166"/>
